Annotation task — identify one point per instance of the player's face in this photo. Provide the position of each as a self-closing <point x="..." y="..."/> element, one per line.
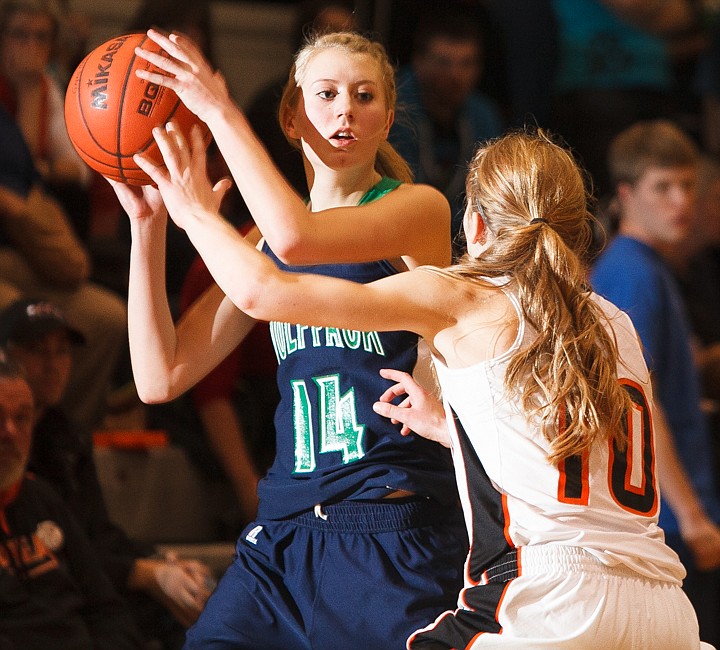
<point x="658" y="208"/>
<point x="16" y="423"/>
<point x="342" y="115"/>
<point x="26" y="45"/>
<point x="47" y="363"/>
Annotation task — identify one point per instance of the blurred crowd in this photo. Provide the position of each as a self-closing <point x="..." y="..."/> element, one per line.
<point x="467" y="70"/>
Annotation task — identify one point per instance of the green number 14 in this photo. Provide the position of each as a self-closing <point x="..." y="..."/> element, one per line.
<point x="339" y="428"/>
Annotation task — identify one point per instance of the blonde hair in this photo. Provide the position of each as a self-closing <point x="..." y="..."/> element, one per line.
<point x="533" y="199"/>
<point x="388" y="162"/>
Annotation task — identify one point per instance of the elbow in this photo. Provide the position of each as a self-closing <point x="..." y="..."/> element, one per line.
<point x="259" y="293"/>
<point x="151" y="396"/>
<point x="153" y="391"/>
<point x="290" y="248"/>
<point x="251" y="301"/>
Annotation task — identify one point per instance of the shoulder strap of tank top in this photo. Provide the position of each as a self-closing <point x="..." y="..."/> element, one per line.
<point x="381" y="188"/>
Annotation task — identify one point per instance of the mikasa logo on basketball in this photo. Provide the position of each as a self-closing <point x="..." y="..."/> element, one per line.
<point x="100" y="94"/>
<point x="110" y="111"/>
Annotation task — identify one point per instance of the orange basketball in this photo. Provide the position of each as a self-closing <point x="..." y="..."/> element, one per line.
<point x="110" y="112"/>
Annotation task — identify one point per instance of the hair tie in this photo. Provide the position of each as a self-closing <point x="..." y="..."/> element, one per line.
<point x="538" y="220"/>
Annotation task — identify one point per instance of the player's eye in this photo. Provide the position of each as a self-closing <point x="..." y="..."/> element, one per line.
<point x="326" y="94"/>
<point x="365" y="96"/>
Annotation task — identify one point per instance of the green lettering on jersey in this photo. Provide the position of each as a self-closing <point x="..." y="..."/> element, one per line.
<point x="304" y="442"/>
<point x="339" y="428"/>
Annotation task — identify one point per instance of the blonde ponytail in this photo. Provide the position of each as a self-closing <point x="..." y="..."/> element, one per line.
<point x="533" y="200"/>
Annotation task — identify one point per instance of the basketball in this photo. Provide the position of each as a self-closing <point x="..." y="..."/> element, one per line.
<point x="110" y="112"/>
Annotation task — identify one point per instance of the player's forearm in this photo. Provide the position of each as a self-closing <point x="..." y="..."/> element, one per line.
<point x="237" y="267"/>
<point x="151" y="329"/>
<point x="278" y="211"/>
<point x="675" y="484"/>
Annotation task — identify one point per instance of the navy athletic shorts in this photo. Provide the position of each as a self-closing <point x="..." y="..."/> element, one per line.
<point x="353" y="575"/>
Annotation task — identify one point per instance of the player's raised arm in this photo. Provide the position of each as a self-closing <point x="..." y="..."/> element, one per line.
<point x="252" y="280"/>
<point x="339" y="112"/>
<point x="167" y="360"/>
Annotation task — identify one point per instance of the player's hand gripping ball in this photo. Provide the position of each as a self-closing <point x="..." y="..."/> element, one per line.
<point x="110" y="112"/>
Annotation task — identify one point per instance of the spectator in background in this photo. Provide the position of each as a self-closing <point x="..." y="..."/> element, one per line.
<point x="615" y="68"/>
<point x="441" y="116"/>
<point x="165" y="595"/>
<point x="53" y="591"/>
<point x="696" y="259"/>
<point x="40" y="255"/>
<point x="696" y="262"/>
<point x="71" y="44"/>
<point x="33" y="96"/>
<point x="520" y="47"/>
<point x="653" y="166"/>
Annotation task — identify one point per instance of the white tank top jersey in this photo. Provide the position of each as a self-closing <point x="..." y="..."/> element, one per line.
<point x="605" y="501"/>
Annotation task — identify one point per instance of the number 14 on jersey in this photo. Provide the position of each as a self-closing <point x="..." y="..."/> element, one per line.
<point x="339" y="428"/>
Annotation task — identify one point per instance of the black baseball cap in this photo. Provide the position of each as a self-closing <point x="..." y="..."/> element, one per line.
<point x="26" y="321"/>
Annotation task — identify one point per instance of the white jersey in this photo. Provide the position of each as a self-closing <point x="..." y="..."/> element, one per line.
<point x="605" y="502"/>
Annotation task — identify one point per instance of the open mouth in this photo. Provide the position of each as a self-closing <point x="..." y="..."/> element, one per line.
<point x="343" y="137"/>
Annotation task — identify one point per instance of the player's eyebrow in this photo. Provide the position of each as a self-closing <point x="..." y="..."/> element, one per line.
<point x="354" y="83"/>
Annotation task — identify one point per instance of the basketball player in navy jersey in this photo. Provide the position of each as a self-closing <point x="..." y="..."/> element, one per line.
<point x="359" y="538"/>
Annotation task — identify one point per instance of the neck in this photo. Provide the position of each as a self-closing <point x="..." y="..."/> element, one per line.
<point x="628" y="229"/>
<point x="332" y="189"/>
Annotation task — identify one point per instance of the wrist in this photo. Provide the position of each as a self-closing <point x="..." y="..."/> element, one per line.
<point x="220" y="114"/>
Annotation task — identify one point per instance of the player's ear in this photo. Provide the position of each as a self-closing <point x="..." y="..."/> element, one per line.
<point x="288" y="120"/>
<point x="389" y="122"/>
<point x="623" y="190"/>
<point x="475" y="232"/>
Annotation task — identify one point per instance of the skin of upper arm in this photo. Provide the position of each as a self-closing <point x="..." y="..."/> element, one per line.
<point x="400" y="302"/>
<point x="412" y="222"/>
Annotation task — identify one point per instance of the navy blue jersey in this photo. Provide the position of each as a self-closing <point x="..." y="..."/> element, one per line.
<point x="331" y="445"/>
